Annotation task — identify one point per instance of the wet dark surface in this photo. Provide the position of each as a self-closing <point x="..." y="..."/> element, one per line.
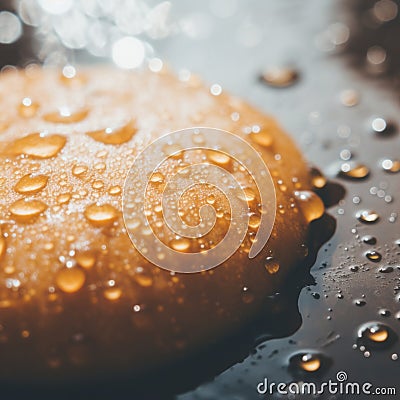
<point x="345" y="288"/>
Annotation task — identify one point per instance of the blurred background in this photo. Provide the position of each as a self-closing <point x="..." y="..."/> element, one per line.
<point x="329" y="71"/>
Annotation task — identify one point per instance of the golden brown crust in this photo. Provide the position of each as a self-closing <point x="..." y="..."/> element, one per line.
<point x="60" y="207"/>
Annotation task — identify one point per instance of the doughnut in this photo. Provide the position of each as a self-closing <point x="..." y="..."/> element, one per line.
<point x="78" y="301"/>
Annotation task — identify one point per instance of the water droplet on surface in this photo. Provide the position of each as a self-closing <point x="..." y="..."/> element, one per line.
<point x="247" y="194"/>
<point x="254" y="220"/>
<point x="360" y="302"/>
<point x="384" y="312"/>
<point x="30" y="184"/>
<point x="70" y="280"/>
<point x="98" y="184"/>
<point x="116" y="135"/>
<point x="38" y="146"/>
<point x="310" y="204"/>
<point x="28" y="108"/>
<point x="27" y="210"/>
<point x="368" y="239"/>
<point x="271" y="265"/>
<point x="375" y="335"/>
<point x="392" y="166"/>
<point x="144" y="280"/>
<point x="373" y="255"/>
<point x="86" y="259"/>
<point x="65" y="115"/>
<point x="181" y="244"/>
<point x="115" y="190"/>
<point x="307" y="362"/>
<point x="79" y="170"/>
<point x="280" y="77"/>
<point x="386" y="269"/>
<point x="218" y="157"/>
<point x="157" y="177"/>
<point x="367" y="216"/>
<point x="101" y="215"/>
<point x="354" y="171"/>
<point x="263" y="138"/>
<point x="317" y="179"/>
<point x="112" y="293"/>
<point x="63" y="198"/>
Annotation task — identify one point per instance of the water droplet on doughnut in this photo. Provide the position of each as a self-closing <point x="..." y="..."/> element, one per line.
<point x="101" y="215"/>
<point x="115" y="135"/>
<point x="70" y="280"/>
<point x="30" y="184"/>
<point x="310" y="204"/>
<point x="38" y="146"/>
<point x="27" y="210"/>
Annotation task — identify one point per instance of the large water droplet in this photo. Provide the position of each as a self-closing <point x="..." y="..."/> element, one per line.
<point x="376" y="335"/>
<point x="112" y="293"/>
<point x="373" y="255"/>
<point x="27" y="210"/>
<point x="38" y="146"/>
<point x="262" y="137"/>
<point x="70" y="280"/>
<point x="218" y="157"/>
<point x="115" y="135"/>
<point x="30" y="184"/>
<point x="354" y="171"/>
<point x="143" y="280"/>
<point x="317" y="179"/>
<point x="367" y="216"/>
<point x="247" y="194"/>
<point x="101" y="215"/>
<point x="271" y="265"/>
<point x="310" y="204"/>
<point x="86" y="259"/>
<point x="180" y="244"/>
<point x="309" y="362"/>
